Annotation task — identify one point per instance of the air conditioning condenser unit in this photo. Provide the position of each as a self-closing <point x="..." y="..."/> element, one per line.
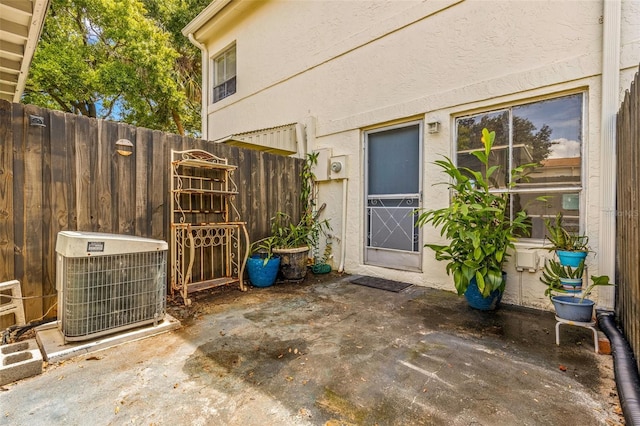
<point x="108" y="283"/>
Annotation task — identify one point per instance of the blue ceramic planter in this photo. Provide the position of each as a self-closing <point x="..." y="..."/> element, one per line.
<point x="477" y="301"/>
<point x="262" y="275"/>
<point x="571" y="258"/>
<point x="571" y="285"/>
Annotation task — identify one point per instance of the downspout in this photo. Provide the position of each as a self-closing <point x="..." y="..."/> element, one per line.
<point x="343" y="223"/>
<point x="610" y="102"/>
<point x="205" y="86"/>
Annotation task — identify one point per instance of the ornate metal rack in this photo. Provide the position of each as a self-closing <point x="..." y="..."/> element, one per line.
<point x="208" y="249"/>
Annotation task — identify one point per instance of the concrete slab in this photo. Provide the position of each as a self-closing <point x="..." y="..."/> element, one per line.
<point x="327" y="352"/>
<point x="54" y="348"/>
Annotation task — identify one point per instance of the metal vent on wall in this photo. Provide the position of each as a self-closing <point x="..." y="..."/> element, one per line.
<point x="108" y="283"/>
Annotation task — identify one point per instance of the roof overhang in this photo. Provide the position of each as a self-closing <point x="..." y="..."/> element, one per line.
<point x="21" y="23"/>
<point x="281" y="140"/>
<point x="204" y="17"/>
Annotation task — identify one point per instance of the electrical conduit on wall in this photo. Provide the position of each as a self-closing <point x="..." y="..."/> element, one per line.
<point x="343" y="236"/>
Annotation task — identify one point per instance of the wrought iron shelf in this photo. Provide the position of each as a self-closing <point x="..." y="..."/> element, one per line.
<point x="202" y="164"/>
<point x="209" y="249"/>
<point x="205" y="191"/>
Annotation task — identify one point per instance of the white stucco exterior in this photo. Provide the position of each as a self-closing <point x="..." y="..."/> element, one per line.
<point x="343" y="67"/>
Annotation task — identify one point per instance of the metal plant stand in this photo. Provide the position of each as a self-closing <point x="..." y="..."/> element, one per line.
<point x="590" y="325"/>
<point x="208" y="249"/>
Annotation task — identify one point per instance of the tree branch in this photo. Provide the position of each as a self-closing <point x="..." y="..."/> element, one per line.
<point x="178" y="121"/>
<point x="60" y="102"/>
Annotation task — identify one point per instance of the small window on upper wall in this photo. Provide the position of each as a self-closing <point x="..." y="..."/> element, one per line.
<point x="548" y="133"/>
<point x="224" y="74"/>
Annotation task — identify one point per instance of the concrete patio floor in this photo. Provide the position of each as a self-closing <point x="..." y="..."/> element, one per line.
<point x="326" y="351"/>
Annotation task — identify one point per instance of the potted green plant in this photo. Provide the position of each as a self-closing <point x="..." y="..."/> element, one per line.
<point x="262" y="264"/>
<point x="558" y="276"/>
<point x="478" y="228"/>
<point x="573" y="308"/>
<point x="571" y="248"/>
<point x="292" y="241"/>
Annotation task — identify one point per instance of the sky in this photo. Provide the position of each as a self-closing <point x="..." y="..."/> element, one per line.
<point x="564" y="116"/>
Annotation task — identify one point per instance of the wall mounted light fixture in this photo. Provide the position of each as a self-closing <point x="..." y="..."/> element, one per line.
<point x="124" y="147"/>
<point x="37" y="121"/>
<point x="433" y="127"/>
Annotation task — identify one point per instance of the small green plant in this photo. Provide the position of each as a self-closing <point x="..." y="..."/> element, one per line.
<point x="561" y="239"/>
<point x="285" y="234"/>
<point x="309" y="230"/>
<point x="596" y="281"/>
<point x="476" y="223"/>
<point x="263" y="248"/>
<point x="553" y="272"/>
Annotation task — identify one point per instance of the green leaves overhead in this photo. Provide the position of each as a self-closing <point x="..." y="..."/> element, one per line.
<point x="111" y="59"/>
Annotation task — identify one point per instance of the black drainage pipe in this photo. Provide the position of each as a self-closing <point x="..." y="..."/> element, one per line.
<point x="625" y="369"/>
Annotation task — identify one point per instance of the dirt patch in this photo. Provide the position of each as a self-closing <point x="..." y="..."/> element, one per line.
<point x="215" y="299"/>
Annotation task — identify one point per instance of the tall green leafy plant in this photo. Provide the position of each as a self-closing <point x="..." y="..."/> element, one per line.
<point x="553" y="272"/>
<point x="561" y="239"/>
<point x="476" y="222"/>
<point x="310" y="228"/>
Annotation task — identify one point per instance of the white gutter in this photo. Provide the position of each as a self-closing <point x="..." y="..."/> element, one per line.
<point x="205" y="16"/>
<point x="610" y="105"/>
<point x="204" y="116"/>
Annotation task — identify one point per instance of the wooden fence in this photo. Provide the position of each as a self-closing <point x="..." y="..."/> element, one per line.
<point x="628" y="218"/>
<point x="67" y="175"/>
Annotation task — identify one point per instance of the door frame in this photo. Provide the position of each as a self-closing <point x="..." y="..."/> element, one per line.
<point x="387" y="257"/>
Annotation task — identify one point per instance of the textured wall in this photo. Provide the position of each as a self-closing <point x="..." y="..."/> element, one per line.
<point x="340" y="67"/>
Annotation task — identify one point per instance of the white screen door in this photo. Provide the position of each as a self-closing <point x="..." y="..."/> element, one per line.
<point x="393" y="169"/>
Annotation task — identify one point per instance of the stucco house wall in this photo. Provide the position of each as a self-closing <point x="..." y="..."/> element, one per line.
<point x="343" y="67"/>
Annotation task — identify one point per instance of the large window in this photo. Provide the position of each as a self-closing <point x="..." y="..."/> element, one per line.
<point x="547" y="133"/>
<point x="224" y="74"/>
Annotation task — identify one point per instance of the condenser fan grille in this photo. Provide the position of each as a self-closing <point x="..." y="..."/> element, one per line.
<point x="104" y="294"/>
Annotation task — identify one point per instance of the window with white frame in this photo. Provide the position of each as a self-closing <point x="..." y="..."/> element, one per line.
<point x="224" y="74"/>
<point x="548" y="133"/>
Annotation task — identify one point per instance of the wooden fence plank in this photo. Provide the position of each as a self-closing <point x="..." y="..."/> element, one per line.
<point x="19" y="140"/>
<point x="158" y="186"/>
<point x="628" y="217"/>
<point x="80" y="141"/>
<point x="633" y="299"/>
<point x="58" y="195"/>
<point x="69" y="176"/>
<point x="259" y="208"/>
<point x="124" y="185"/>
<point x="33" y="214"/>
<point x="104" y="166"/>
<point x="143" y="165"/>
<point x="242" y="179"/>
<point x="6" y="194"/>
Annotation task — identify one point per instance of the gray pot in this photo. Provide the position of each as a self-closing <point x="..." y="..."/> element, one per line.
<point x="571" y="309"/>
<point x="293" y="262"/>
